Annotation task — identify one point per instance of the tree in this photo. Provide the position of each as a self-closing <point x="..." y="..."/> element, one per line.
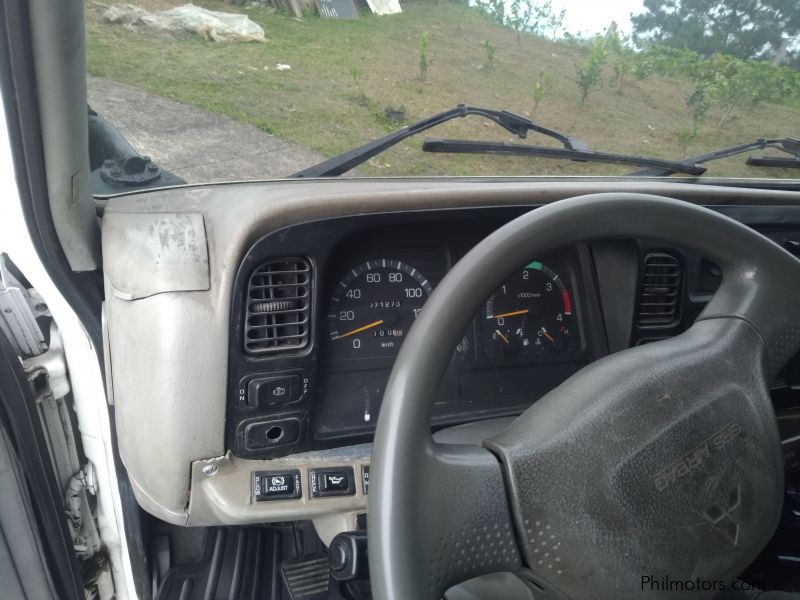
<point x="741" y="28"/>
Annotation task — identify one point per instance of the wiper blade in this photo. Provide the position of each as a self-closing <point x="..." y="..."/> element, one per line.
<point x="789" y="145"/>
<point x="519" y="126"/>
<point x="581" y="155"/>
<point x="783" y="162"/>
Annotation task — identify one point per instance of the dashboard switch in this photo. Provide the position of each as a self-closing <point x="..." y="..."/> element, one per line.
<point x="276" y="485"/>
<point x="332" y="482"/>
<point x="268" y="391"/>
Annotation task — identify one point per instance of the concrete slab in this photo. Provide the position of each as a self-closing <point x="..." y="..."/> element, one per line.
<point x="195" y="144"/>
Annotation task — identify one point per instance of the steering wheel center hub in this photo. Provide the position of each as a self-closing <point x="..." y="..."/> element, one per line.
<point x="644" y="458"/>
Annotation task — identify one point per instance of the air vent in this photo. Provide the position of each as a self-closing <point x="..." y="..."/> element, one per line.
<point x="660" y="295"/>
<point x="278" y="306"/>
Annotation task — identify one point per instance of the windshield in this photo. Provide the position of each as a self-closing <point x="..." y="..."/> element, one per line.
<point x="219" y="91"/>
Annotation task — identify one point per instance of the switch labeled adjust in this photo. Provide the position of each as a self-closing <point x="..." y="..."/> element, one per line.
<point x="332" y="482"/>
<point x="276" y="485"/>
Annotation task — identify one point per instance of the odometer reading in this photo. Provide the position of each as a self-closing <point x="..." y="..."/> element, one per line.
<point x="373" y="307"/>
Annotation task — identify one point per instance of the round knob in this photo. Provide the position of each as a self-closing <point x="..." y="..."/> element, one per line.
<point x="338" y="555"/>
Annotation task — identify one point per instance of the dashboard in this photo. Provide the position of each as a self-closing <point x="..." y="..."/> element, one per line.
<point x="251" y="328"/>
<point x="321" y="310"/>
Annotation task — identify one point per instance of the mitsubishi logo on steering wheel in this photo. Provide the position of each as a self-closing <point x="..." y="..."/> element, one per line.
<point x="721" y="514"/>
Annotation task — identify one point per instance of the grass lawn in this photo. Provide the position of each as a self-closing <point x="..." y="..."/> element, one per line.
<point x="344" y="73"/>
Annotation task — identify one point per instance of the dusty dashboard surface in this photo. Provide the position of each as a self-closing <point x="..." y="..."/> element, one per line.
<point x="257" y="360"/>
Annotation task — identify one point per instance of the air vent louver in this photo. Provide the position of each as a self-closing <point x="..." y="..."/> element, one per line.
<point x="660" y="291"/>
<point x="278" y="306"/>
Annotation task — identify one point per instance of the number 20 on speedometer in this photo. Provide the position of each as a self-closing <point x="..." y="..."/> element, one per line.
<point x="374" y="306"/>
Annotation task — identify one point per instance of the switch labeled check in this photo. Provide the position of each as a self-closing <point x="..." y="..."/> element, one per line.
<point x="332" y="482"/>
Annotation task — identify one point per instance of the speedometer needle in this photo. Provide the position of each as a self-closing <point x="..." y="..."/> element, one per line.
<point x="360" y="329"/>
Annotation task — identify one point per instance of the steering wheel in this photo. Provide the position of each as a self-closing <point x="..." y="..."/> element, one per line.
<point x="662" y="460"/>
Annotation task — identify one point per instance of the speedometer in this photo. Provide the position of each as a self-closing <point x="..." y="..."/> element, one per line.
<point x="373" y="307"/>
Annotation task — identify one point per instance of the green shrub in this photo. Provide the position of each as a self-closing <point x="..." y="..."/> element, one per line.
<point x="724" y="82"/>
<point x="490" y="52"/>
<point x="587" y="76"/>
<point x="424" y="59"/>
<point x="624" y="58"/>
<point x="541" y="88"/>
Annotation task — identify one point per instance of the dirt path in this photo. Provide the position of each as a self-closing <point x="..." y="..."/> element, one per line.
<point x="193" y="143"/>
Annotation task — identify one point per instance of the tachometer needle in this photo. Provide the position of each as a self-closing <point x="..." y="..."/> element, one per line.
<point x="360" y="329"/>
<point x="513" y="313"/>
<point x="502" y="337"/>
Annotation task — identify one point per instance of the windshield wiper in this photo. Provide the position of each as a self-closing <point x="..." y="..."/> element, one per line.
<point x="788" y="145"/>
<point x="580" y="155"/>
<point x="519" y="126"/>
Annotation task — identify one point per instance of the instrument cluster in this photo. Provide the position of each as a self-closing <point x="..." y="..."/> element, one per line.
<point x="368" y="280"/>
<point x="531" y="317"/>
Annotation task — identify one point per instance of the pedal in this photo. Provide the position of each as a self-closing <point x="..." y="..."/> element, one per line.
<point x="307" y="577"/>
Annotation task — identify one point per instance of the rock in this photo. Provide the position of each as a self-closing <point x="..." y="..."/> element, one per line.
<point x="211" y="25"/>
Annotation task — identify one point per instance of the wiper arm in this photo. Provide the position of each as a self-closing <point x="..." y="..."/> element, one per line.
<point x="582" y="155"/>
<point x="789" y="145"/>
<point x="519" y="126"/>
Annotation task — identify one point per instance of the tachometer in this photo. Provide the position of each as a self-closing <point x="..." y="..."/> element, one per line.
<point x="530" y="315"/>
<point x="373" y="307"/>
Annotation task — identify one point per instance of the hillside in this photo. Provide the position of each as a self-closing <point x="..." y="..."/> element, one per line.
<point x="344" y="73"/>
